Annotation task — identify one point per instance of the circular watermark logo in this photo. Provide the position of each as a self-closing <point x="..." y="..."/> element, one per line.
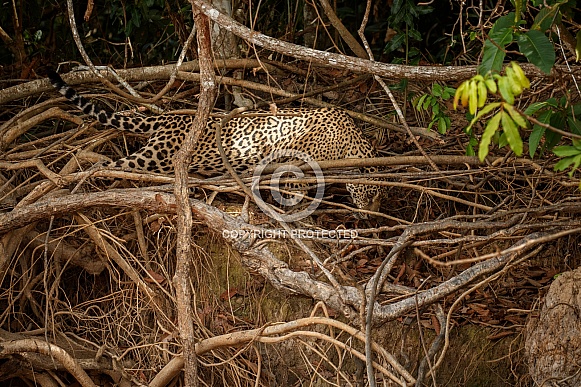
<point x="286" y="169"/>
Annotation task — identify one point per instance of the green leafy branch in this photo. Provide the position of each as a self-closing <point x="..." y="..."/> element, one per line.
<point x="571" y="157"/>
<point x="550" y="120"/>
<point x="533" y="44"/>
<point x="557" y="115"/>
<point x="435" y="103"/>
<point x="473" y="94"/>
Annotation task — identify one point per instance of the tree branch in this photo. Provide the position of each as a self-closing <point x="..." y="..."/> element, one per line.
<point x="424" y="73"/>
<point x="181" y="163"/>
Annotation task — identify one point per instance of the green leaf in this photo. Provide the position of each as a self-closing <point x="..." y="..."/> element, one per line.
<point x="544" y="19"/>
<point x="538" y="132"/>
<point x="574" y="126"/>
<point x="437" y="90"/>
<point x="420" y="101"/>
<point x="493" y="56"/>
<point x="491" y="128"/>
<point x="553" y="138"/>
<point x="436" y="109"/>
<point x="538" y="49"/>
<point x="395" y="43"/>
<point x="502" y="141"/>
<point x="566" y="151"/>
<point x="512" y="134"/>
<point x="504" y="22"/>
<point x="470" y="150"/>
<point x="415" y="35"/>
<point x="442" y="127"/>
<point x="563" y="164"/>
<point x="577" y="161"/>
<point x="535" y="139"/>
<point x="501" y="34"/>
<point x="448" y="92"/>
<point x="534" y="107"/>
<point x="448" y="122"/>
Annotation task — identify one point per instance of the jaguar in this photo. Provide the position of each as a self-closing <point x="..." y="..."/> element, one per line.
<point x="322" y="133"/>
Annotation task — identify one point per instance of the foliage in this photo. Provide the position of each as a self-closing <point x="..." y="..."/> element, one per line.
<point x="571" y="156"/>
<point x="434" y="103"/>
<point x="533" y="43"/>
<point x="561" y="115"/>
<point x="474" y="93"/>
<point x="557" y="113"/>
<point x="404" y="20"/>
<point x="116" y="32"/>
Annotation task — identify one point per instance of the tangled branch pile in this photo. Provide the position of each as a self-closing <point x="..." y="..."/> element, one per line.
<point x="88" y="255"/>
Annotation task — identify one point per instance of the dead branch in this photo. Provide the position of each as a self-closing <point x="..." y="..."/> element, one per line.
<point x="60" y="355"/>
<point x="345" y="34"/>
<point x="135" y="74"/>
<point x="284" y="331"/>
<point x="181" y="163"/>
<point x="426" y="73"/>
<point x="259" y="259"/>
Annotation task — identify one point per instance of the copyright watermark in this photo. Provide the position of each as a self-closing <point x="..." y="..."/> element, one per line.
<point x="283" y="171"/>
<point x="296" y="233"/>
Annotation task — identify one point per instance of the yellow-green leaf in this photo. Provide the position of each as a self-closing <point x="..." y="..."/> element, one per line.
<point x="520" y="74"/>
<point x="505" y="90"/>
<point x="516" y="116"/>
<point x="491" y="85"/>
<point x="512" y="135"/>
<point x="578" y="47"/>
<point x="490" y="130"/>
<point x="459" y="94"/>
<point x="482" y="93"/>
<point x="473" y="97"/>
<point x="485" y="110"/>
<point x="514" y="81"/>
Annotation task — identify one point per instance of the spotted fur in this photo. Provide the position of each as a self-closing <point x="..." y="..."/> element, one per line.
<point x="324" y="134"/>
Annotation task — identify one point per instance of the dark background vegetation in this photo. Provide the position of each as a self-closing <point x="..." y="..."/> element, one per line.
<point x="155" y="29"/>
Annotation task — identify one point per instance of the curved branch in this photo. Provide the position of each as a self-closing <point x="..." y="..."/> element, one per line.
<point x="265" y="334"/>
<point x="56" y="352"/>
